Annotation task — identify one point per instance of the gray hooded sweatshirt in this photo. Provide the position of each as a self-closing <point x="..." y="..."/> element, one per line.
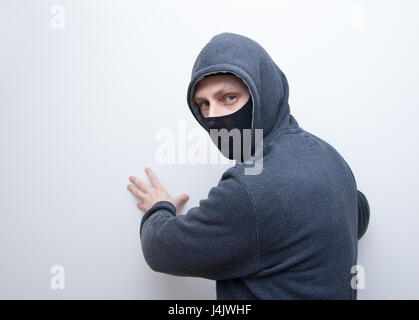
<point x="289" y="232"/>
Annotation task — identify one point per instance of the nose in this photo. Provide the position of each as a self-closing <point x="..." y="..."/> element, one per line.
<point x="213" y="109"/>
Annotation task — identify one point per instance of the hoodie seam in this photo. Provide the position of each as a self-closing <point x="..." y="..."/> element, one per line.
<point x="257" y="263"/>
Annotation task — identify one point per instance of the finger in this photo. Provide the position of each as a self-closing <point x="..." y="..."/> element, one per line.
<point x="141" y="206"/>
<point x="140" y="184"/>
<point x="153" y="178"/>
<point x="181" y="199"/>
<point x="136" y="191"/>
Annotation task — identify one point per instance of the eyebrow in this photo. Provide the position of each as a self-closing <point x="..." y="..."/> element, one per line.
<point x="223" y="89"/>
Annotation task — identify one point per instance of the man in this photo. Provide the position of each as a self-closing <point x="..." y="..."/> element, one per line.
<point x="289" y="232"/>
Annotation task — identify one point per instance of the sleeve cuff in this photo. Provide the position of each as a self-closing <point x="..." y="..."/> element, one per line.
<point x="157" y="206"/>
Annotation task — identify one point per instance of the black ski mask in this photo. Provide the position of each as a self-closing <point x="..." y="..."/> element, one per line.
<point x="241" y="119"/>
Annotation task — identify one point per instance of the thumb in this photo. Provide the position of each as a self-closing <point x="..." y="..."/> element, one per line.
<point x="181" y="199"/>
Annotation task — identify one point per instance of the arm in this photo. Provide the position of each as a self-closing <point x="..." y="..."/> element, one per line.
<point x="216" y="240"/>
<point x="363" y="214"/>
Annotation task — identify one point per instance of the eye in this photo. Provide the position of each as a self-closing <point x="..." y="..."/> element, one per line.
<point x="230" y="97"/>
<point x="202" y="104"/>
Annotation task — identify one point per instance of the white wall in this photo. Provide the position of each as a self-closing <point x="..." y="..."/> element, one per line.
<point x="80" y="107"/>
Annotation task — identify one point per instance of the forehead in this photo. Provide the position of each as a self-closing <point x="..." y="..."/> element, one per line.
<point x="210" y="84"/>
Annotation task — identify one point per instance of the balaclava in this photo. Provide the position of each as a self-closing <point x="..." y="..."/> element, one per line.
<point x="240" y="119"/>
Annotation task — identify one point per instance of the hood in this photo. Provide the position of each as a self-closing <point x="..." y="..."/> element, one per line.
<point x="268" y="86"/>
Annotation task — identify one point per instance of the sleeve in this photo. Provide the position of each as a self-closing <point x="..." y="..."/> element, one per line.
<point x="217" y="240"/>
<point x="363" y="206"/>
<point x="363" y="214"/>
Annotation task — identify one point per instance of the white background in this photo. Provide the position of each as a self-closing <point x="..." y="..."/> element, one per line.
<point x="80" y="108"/>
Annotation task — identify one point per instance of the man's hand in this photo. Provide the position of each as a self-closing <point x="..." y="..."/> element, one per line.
<point x="150" y="195"/>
